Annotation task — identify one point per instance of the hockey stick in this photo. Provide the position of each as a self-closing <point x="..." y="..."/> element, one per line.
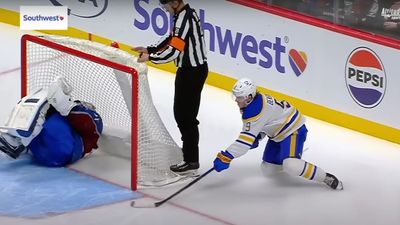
<point x="144" y="204"/>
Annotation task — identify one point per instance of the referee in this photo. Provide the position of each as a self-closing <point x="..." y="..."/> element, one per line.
<point x="186" y="46"/>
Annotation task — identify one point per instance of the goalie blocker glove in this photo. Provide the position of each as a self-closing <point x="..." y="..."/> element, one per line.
<point x="222" y="161"/>
<point x="26" y="119"/>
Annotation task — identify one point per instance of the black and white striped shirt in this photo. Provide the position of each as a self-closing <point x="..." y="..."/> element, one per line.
<point x="185" y="44"/>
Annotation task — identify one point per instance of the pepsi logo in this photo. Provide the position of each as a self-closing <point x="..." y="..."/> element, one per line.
<point x="298" y="61"/>
<point x="365" y="77"/>
<point x="61" y="18"/>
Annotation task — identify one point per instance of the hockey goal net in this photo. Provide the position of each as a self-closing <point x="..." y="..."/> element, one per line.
<point x="117" y="85"/>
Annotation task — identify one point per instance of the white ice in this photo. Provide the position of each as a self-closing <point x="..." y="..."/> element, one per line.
<point x="369" y="168"/>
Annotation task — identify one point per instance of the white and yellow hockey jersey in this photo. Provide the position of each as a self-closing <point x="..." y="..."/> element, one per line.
<point x="277" y="119"/>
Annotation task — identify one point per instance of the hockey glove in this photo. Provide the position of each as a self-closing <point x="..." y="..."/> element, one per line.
<point x="222" y="161"/>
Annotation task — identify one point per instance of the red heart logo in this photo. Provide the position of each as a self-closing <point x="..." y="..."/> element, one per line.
<point x="298" y="61"/>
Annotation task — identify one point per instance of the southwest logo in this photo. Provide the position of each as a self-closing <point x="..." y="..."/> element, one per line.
<point x="298" y="61"/>
<point x="365" y="77"/>
<point x="269" y="53"/>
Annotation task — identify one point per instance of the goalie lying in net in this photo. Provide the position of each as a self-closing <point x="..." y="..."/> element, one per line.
<point x="55" y="130"/>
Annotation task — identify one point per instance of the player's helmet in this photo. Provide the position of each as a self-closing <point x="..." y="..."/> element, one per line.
<point x="243" y="88"/>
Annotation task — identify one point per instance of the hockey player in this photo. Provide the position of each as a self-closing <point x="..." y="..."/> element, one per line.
<point x="285" y="127"/>
<point x="54" y="129"/>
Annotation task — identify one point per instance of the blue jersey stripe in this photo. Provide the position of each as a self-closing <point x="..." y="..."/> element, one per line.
<point x="315" y="171"/>
<point x="304" y="169"/>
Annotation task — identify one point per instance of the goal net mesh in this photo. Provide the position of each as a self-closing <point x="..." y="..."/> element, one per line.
<point x="109" y="88"/>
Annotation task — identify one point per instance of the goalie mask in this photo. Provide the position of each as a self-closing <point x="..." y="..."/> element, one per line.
<point x="244" y="91"/>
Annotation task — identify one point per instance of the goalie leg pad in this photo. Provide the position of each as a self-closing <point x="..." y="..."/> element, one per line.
<point x="58" y="144"/>
<point x="27" y="117"/>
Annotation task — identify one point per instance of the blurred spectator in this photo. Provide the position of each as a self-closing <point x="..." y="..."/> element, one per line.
<point x="364" y="14"/>
<point x="376" y="16"/>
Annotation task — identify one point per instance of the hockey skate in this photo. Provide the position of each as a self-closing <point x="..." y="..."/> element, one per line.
<point x="11" y="146"/>
<point x="186" y="169"/>
<point x="333" y="182"/>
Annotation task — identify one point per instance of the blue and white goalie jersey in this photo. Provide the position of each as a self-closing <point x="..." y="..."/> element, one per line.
<point x="276" y="119"/>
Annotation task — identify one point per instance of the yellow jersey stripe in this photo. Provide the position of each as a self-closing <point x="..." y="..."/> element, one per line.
<point x="310" y="168"/>
<point x="293" y="143"/>
<point x="247" y="139"/>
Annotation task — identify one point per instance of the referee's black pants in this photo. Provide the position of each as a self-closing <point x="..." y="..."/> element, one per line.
<point x="189" y="82"/>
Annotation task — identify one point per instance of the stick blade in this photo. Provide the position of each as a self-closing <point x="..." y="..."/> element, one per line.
<point x="143" y="203"/>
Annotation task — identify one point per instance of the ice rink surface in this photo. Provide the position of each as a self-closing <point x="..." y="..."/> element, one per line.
<point x="369" y="168"/>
